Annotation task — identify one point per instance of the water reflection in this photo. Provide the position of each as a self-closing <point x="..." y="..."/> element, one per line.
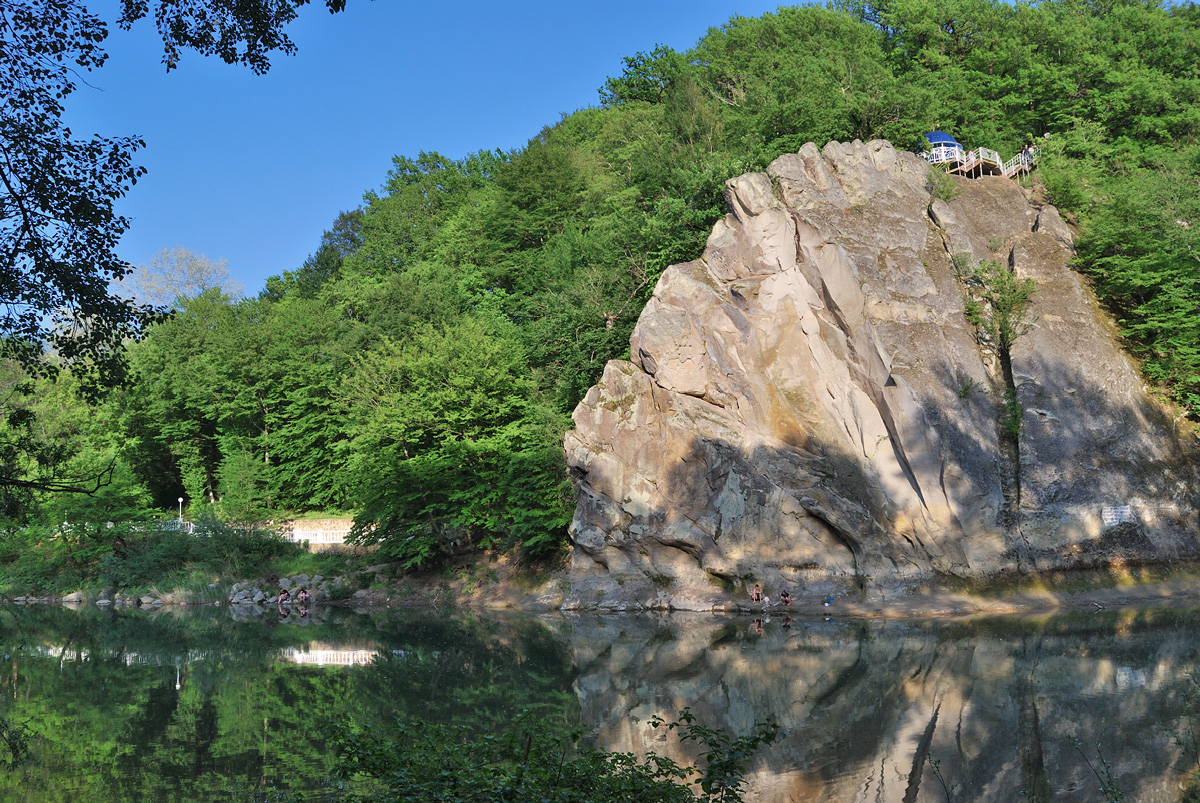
<point x="330" y="655"/>
<point x="194" y="705"/>
<point x="230" y="705"/>
<point x="902" y="711"/>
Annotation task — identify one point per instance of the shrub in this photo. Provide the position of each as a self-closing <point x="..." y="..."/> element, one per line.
<point x="941" y="185"/>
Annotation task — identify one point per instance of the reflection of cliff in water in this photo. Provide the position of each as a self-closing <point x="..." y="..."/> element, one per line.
<point x="857" y="700"/>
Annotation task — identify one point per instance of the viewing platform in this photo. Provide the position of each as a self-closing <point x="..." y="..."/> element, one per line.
<point x="944" y="150"/>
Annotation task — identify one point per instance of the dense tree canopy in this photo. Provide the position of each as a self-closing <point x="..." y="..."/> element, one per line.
<point x="58" y="228"/>
<point x="420" y="368"/>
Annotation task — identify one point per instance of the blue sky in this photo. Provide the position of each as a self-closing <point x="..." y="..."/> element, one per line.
<point x="253" y="168"/>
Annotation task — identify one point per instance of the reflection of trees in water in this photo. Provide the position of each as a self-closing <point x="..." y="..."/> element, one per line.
<point x="210" y="705"/>
<point x="856" y="700"/>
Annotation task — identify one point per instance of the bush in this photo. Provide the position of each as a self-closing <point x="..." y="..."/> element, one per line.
<point x="160" y="557"/>
<point x="337" y="592"/>
<point x="49" y="560"/>
<point x="233" y="552"/>
<point x="147" y="560"/>
<point x="941" y="185"/>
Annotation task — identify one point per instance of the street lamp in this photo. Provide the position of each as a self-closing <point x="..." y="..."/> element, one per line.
<point x="181" y="511"/>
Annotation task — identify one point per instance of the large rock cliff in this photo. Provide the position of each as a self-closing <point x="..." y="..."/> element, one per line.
<point x="808" y="406"/>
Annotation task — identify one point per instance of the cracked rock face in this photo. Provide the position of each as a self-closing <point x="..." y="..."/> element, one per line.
<point x="808" y="407"/>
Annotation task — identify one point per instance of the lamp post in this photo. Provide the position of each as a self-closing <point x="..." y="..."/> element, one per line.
<point x="181" y="511"/>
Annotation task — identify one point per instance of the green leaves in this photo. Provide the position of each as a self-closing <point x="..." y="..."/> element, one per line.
<point x="999" y="303"/>
<point x="446" y="443"/>
<point x="236" y="31"/>
<point x="534" y="762"/>
<point x="1141" y="245"/>
<point x="58" y="227"/>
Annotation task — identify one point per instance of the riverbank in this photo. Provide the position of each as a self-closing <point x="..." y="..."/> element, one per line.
<point x="501" y="582"/>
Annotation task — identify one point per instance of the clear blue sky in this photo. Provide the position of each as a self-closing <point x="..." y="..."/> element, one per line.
<point x="253" y="169"/>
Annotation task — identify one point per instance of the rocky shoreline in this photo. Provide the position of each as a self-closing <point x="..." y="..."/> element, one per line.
<point x="1094" y="594"/>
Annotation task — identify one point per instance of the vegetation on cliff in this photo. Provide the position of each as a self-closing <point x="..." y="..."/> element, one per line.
<point x="421" y="366"/>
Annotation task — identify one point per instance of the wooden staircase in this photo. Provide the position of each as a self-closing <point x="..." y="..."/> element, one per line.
<point x="980" y="162"/>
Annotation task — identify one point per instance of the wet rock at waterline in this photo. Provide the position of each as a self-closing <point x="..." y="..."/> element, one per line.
<point x="808" y="406"/>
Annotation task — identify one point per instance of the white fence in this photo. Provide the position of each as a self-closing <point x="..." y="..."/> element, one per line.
<point x="329" y="657"/>
<point x="965" y="161"/>
<point x="317" y="536"/>
<point x="297" y="535"/>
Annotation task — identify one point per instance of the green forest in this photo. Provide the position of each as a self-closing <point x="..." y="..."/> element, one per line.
<point x="420" y="368"/>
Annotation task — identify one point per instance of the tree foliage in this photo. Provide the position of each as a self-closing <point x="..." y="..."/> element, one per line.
<point x="58" y="230"/>
<point x="58" y="227"/>
<point x="421" y="366"/>
<point x="178" y="273"/>
<point x="415" y="760"/>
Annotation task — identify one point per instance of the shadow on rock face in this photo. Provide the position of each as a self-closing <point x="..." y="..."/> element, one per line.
<point x="810" y="408"/>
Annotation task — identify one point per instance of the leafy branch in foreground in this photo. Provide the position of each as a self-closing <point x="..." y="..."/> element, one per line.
<point x="1104" y="773"/>
<point x="534" y="763"/>
<point x="15" y="738"/>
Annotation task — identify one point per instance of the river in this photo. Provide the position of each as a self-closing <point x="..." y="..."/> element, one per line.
<point x="207" y="704"/>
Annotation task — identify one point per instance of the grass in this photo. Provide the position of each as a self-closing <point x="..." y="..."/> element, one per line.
<point x="196" y="589"/>
<point x="313" y="563"/>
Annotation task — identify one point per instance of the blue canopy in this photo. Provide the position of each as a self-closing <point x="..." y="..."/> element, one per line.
<point x="936" y="138"/>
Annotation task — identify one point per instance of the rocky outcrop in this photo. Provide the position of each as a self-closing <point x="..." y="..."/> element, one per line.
<point x="807" y="405"/>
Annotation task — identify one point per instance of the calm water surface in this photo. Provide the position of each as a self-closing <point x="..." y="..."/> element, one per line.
<point x="198" y="705"/>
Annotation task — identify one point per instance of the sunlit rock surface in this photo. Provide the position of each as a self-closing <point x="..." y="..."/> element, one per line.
<point x="808" y="407"/>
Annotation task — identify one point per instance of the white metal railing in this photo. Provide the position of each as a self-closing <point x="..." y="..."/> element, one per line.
<point x="989" y="155"/>
<point x="942" y="154"/>
<point x="330" y="657"/>
<point x="1022" y="162"/>
<point x="966" y="161"/>
<point x="317" y="536"/>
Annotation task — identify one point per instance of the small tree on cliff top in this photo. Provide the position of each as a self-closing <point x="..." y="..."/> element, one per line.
<point x="999" y="303"/>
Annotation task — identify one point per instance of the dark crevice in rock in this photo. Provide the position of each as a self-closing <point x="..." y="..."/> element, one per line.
<point x="1034" y="777"/>
<point x="1009" y="454"/>
<point x="919" y="758"/>
<point x="839" y="532"/>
